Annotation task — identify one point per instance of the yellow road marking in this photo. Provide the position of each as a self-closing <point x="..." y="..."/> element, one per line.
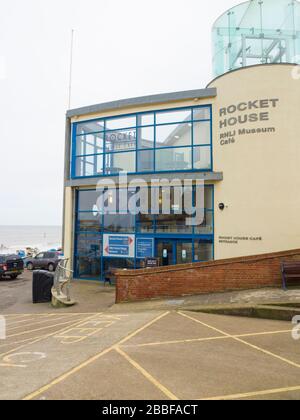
<point x="276" y="356"/>
<point x="89" y="361"/>
<point x="195" y="340"/>
<point x="47" y="318"/>
<point x="40" y="338"/>
<point x="254" y="394"/>
<point x="36" y="323"/>
<point x="47" y="327"/>
<point x="129" y="337"/>
<point x="147" y="375"/>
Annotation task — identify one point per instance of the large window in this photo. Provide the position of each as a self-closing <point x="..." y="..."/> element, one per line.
<point x="169" y="222"/>
<point x="160" y="141"/>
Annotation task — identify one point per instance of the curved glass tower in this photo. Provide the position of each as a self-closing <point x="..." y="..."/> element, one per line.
<point x="257" y="32"/>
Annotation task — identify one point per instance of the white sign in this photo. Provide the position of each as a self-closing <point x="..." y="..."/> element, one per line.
<point x="119" y="246"/>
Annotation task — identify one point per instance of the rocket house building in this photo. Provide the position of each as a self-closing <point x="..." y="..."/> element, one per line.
<point x="240" y="135"/>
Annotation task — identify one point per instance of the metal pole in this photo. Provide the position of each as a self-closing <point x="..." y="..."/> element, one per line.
<point x="71" y="68"/>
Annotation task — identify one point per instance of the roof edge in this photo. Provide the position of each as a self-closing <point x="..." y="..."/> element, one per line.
<point x="143" y="100"/>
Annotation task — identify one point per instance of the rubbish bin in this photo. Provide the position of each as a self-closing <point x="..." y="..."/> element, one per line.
<point x="42" y="283"/>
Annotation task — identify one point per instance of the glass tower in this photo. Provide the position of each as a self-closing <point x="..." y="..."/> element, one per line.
<point x="257" y="32"/>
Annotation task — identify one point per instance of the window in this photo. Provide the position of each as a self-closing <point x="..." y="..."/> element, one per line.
<point x="174" y="159"/>
<point x="203" y="250"/>
<point x="158" y="141"/>
<point x="174" y="135"/>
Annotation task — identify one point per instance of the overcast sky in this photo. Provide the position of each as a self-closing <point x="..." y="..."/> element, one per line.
<point x="123" y="48"/>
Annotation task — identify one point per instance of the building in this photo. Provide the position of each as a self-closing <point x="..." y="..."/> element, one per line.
<point x="240" y="136"/>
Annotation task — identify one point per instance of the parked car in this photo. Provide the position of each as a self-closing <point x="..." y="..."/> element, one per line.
<point x="11" y="266"/>
<point x="44" y="261"/>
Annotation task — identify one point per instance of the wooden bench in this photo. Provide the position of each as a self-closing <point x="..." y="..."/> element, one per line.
<point x="290" y="271"/>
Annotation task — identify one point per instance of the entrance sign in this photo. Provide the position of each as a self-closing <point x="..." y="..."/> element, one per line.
<point x="119" y="246"/>
<point x="152" y="262"/>
<point x="144" y="248"/>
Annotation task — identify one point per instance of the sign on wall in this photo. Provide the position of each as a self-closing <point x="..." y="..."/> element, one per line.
<point x="144" y="248"/>
<point x="119" y="246"/>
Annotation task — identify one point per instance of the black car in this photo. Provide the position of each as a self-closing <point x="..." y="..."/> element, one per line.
<point x="11" y="266"/>
<point x="44" y="260"/>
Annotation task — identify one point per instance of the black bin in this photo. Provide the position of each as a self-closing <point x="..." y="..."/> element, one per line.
<point x="42" y="284"/>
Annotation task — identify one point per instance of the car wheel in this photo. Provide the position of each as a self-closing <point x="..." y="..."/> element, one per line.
<point x="14" y="276"/>
<point x="51" y="268"/>
<point x="30" y="266"/>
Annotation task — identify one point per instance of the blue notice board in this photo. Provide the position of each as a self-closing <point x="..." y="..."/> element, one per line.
<point x="144" y="247"/>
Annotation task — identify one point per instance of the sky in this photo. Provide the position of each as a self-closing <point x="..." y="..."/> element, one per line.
<point x="122" y="49"/>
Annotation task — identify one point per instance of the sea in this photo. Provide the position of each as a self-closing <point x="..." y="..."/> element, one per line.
<point x="42" y="238"/>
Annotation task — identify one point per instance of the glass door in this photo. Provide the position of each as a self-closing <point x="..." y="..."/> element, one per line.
<point x="184" y="252"/>
<point x="165" y="251"/>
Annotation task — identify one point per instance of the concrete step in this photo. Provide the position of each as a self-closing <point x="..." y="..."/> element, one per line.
<point x="280" y="312"/>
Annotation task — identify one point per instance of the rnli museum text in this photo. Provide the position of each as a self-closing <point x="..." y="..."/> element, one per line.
<point x="257" y="111"/>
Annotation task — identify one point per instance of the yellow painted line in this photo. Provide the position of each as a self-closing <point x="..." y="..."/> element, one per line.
<point x="129" y="337"/>
<point x="88" y="362"/>
<point x="47" y="327"/>
<point x="19" y="342"/>
<point x="147" y="375"/>
<point x="30" y="319"/>
<point x="40" y="338"/>
<point x="254" y="394"/>
<point x="35" y="323"/>
<point x="260" y="349"/>
<point x="195" y="340"/>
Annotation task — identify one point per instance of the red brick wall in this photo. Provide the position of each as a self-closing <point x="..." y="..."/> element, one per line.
<point x="191" y="279"/>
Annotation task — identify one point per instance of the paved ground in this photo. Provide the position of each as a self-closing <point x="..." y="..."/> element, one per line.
<point x="106" y="353"/>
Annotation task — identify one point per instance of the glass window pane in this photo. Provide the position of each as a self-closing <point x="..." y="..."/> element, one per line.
<point x="90" y="144"/>
<point x="145" y="161"/>
<point x="172" y="223"/>
<point x="89" y="127"/>
<point x="206" y="228"/>
<point x="88" y="268"/>
<point x="145" y="138"/>
<point x="145" y="119"/>
<point x="117" y="123"/>
<point x="208" y="198"/>
<point x="89" y="165"/>
<point x="166" y="117"/>
<point x="201" y="113"/>
<point x="116" y="141"/>
<point x="119" y="223"/>
<point x="174" y="159"/>
<point x="202" y="158"/>
<point x="203" y="250"/>
<point x="117" y="162"/>
<point x="174" y="135"/>
<point x="89" y="222"/>
<point x="87" y="200"/>
<point x="113" y="264"/>
<point x="202" y="133"/>
<point x="145" y="223"/>
<point x="89" y="245"/>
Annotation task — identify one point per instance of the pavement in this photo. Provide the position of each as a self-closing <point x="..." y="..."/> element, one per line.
<point x="101" y="351"/>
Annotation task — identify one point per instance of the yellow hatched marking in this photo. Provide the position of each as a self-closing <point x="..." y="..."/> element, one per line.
<point x="147" y="375"/>
<point x="276" y="356"/>
<point x="254" y="394"/>
<point x="90" y="361"/>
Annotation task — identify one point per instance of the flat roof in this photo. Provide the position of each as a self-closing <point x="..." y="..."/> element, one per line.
<point x="143" y="100"/>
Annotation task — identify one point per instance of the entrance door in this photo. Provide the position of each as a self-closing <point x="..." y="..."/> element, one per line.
<point x="165" y="251"/>
<point x="184" y="252"/>
<point x="174" y="251"/>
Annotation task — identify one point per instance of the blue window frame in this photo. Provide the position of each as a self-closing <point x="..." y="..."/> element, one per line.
<point x="174" y="140"/>
<point x="90" y="226"/>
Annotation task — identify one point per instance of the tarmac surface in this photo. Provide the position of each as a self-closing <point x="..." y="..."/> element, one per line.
<point x="98" y="351"/>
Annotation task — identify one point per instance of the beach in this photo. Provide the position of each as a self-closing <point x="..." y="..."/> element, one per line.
<point x="43" y="238"/>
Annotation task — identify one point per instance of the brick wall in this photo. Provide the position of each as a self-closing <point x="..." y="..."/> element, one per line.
<point x="191" y="279"/>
